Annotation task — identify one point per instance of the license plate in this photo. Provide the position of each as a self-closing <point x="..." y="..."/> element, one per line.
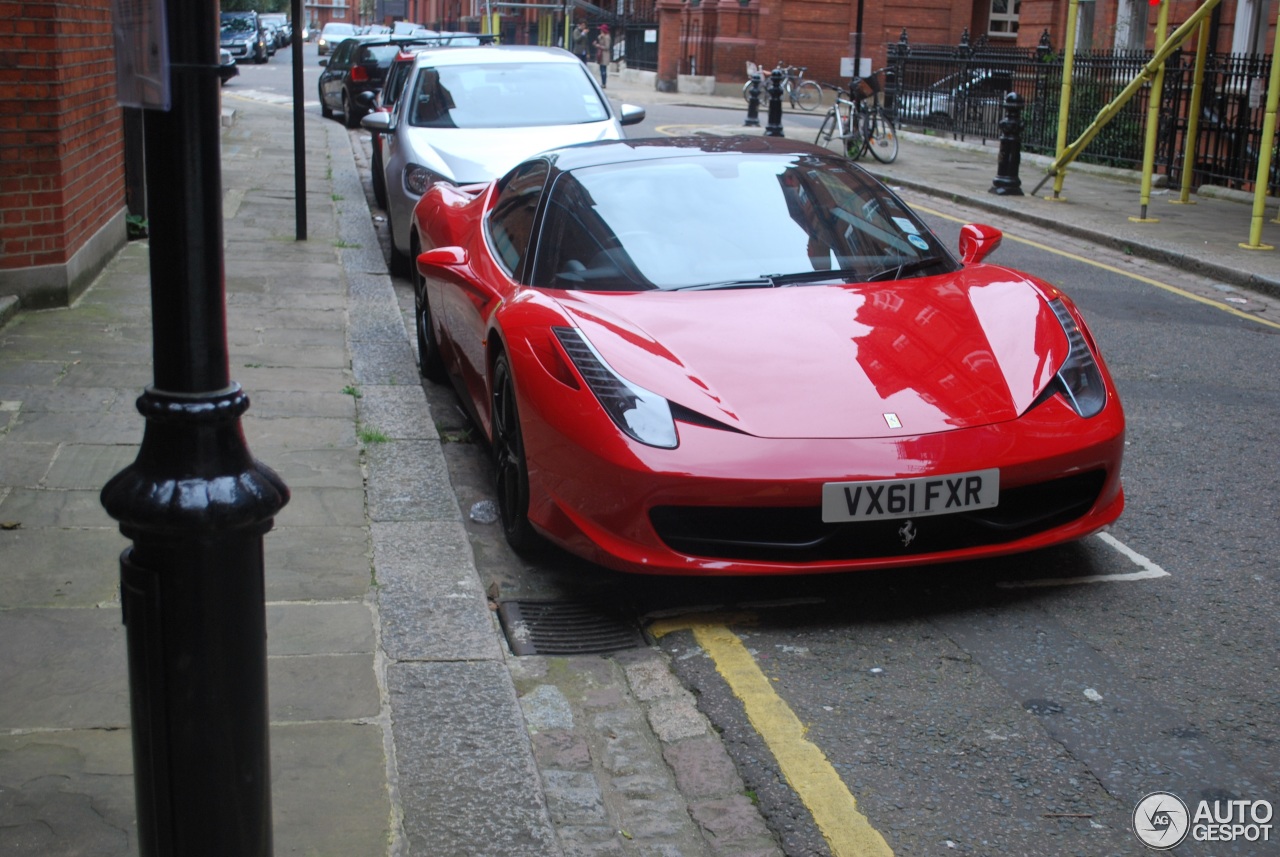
<point x="910" y="498"/>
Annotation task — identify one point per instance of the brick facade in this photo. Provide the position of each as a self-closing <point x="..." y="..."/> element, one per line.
<point x="61" y="148"/>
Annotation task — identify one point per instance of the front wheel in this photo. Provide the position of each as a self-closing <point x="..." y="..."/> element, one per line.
<point x="430" y="363"/>
<point x="829" y="134"/>
<point x="510" y="468"/>
<point x="883" y="140"/>
<point x="807" y="96"/>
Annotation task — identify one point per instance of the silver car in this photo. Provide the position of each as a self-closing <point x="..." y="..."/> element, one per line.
<point x="469" y="114"/>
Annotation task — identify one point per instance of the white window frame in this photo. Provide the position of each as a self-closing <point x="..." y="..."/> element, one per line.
<point x="1131" y="25"/>
<point x="1250" y="34"/>
<point x="1009" y="19"/>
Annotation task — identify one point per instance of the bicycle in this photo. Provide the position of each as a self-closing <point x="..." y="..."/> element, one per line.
<point x="853" y="128"/>
<point x="805" y="94"/>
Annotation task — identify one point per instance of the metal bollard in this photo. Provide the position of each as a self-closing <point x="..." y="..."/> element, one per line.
<point x="753" y="102"/>
<point x="1006" y="182"/>
<point x="774" y="128"/>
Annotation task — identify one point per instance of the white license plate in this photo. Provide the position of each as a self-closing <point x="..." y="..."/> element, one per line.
<point x="910" y="498"/>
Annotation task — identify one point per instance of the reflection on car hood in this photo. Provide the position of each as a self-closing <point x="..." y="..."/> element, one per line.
<point x="479" y="154"/>
<point x="936" y="353"/>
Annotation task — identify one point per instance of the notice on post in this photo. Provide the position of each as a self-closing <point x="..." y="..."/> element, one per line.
<point x="142" y="53"/>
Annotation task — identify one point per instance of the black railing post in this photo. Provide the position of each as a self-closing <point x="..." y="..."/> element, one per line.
<point x="753" y="102"/>
<point x="1007" y="182"/>
<point x="774" y="128"/>
<point x="195" y="503"/>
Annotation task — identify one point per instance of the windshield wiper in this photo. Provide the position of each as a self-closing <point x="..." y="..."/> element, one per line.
<point x="846" y="275"/>
<point x="749" y="283"/>
<point x="899" y="271"/>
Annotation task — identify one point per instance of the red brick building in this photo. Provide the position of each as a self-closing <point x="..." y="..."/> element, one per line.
<point x="62" y="187"/>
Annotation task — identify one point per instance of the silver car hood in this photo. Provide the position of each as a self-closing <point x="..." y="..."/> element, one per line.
<point x="468" y="155"/>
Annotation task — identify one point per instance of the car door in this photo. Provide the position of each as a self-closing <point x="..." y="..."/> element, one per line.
<point x="331" y="79"/>
<point x="508" y="236"/>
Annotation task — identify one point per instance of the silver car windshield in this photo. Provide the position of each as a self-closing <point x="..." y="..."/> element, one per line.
<point x="504" y="95"/>
<point x="718" y="221"/>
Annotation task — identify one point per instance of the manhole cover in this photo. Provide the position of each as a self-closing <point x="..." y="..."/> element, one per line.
<point x="566" y="628"/>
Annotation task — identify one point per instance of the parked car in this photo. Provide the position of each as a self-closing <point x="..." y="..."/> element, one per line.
<point x="469" y="114"/>
<point x="227" y="67"/>
<point x="359" y="65"/>
<point x="747" y="356"/>
<point x="973" y="98"/>
<point x="384" y="101"/>
<point x="332" y="33"/>
<point x="281" y="23"/>
<point x="243" y="37"/>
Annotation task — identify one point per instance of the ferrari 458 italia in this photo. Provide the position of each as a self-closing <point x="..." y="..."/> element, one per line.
<point x="747" y="356"/>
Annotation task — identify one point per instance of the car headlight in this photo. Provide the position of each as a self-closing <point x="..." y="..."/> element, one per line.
<point x="642" y="415"/>
<point x="1079" y="380"/>
<point x="419" y="179"/>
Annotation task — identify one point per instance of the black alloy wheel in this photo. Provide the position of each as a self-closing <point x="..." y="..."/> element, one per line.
<point x="379" y="180"/>
<point x="430" y="363"/>
<point x="350" y="113"/>
<point x="325" y="110"/>
<point x="510" y="468"/>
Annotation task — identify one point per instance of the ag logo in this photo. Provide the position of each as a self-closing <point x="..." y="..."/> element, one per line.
<point x="1161" y="821"/>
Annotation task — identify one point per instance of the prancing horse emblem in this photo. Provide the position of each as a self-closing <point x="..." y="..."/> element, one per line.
<point x="907" y="532"/>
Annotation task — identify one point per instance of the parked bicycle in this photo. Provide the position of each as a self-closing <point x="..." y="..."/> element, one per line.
<point x="805" y="94"/>
<point x="858" y="124"/>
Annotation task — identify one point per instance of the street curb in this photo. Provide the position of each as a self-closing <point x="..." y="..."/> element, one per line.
<point x="9" y="305"/>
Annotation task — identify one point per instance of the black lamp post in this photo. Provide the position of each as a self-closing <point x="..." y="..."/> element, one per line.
<point x="194" y="502"/>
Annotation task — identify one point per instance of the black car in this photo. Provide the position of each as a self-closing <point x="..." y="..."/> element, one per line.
<point x="359" y="64"/>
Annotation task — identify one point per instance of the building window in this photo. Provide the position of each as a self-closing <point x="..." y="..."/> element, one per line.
<point x="1131" y="25"/>
<point x="1250" y="36"/>
<point x="1004" y="18"/>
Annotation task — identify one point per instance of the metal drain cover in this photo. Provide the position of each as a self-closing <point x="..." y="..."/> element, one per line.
<point x="566" y="628"/>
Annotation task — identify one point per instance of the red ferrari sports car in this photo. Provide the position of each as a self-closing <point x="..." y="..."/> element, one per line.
<point x="747" y="356"/>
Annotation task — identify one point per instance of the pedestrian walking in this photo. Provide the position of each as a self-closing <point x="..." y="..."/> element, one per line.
<point x="604" y="46"/>
<point x="582" y="42"/>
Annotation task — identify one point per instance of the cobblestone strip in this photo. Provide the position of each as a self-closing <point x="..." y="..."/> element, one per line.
<point x="629" y="765"/>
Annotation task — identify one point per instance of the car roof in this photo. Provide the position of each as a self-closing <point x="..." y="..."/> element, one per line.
<point x="476" y="54"/>
<point x="669" y="148"/>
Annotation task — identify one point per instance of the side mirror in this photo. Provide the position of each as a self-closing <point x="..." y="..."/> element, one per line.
<point x="367" y="98"/>
<point x="378" y="122"/>
<point x="324" y="62"/>
<point x="978" y="241"/>
<point x="442" y="257"/>
<point x="632" y="114"/>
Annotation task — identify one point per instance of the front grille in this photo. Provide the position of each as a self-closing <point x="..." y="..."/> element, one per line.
<point x="791" y="534"/>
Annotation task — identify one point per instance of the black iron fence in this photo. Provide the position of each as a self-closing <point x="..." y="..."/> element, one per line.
<point x="958" y="90"/>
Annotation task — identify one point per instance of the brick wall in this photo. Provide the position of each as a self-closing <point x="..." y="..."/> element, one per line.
<point x="61" y="138"/>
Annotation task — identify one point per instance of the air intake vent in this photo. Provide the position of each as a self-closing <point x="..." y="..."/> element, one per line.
<point x="566" y="628"/>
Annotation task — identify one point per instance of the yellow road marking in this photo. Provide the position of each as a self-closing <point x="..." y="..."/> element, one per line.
<point x="805" y="766"/>
<point x="1183" y="293"/>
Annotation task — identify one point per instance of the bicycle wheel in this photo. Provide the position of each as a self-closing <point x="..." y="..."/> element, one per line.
<point x="829" y="135"/>
<point x="883" y="139"/>
<point x="859" y="135"/>
<point x="807" y="95"/>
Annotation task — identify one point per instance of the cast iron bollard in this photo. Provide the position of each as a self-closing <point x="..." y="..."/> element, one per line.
<point x="753" y="102"/>
<point x="1007" y="182"/>
<point x="774" y="128"/>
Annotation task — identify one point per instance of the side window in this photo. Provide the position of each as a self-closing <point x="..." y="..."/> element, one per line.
<point x="510" y="224"/>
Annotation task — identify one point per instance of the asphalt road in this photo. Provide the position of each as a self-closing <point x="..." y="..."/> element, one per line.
<point x="1012" y="707"/>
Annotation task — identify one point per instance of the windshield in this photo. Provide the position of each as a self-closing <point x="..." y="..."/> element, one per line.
<point x="504" y="95"/>
<point x="237" y="25"/>
<point x="728" y="221"/>
<point x="337" y="30"/>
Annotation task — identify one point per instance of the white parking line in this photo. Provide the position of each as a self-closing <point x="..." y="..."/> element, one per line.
<point x="1148" y="570"/>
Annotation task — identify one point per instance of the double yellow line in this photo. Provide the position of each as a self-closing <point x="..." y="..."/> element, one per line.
<point x="805" y="766"/>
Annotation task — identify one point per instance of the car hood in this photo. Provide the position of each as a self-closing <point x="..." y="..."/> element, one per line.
<point x="931" y="354"/>
<point x="469" y="155"/>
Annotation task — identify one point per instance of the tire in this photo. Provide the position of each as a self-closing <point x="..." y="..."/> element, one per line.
<point x="857" y="142"/>
<point x="325" y="110"/>
<point x="511" y="471"/>
<point x="883" y="142"/>
<point x="808" y="95"/>
<point x="827" y="137"/>
<point x="430" y="363"/>
<point x="399" y="262"/>
<point x="350" y="114"/>
<point x="379" y="180"/>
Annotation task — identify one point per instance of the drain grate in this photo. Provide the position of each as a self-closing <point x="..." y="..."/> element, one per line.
<point x="566" y="628"/>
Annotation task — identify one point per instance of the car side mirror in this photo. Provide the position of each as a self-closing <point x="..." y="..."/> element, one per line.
<point x="632" y="114"/>
<point x="442" y="257"/>
<point x="978" y="241"/>
<point x="378" y="122"/>
<point x="324" y="62"/>
<point x="366" y="98"/>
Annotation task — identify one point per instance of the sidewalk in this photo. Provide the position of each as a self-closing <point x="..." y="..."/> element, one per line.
<point x="400" y="723"/>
